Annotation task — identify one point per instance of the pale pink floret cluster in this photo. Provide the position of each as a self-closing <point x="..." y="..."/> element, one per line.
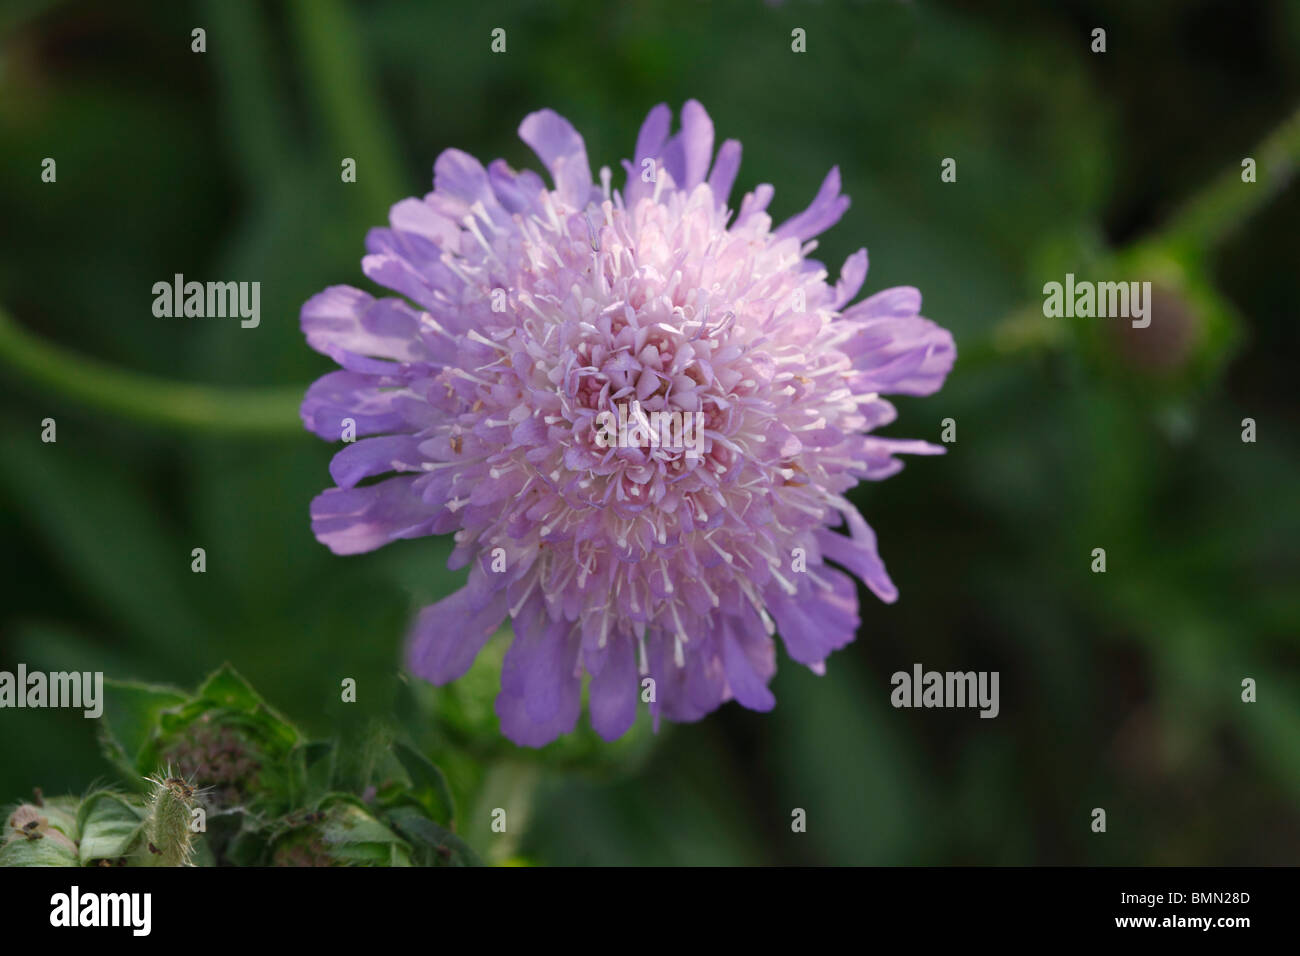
<point x="537" y="309"/>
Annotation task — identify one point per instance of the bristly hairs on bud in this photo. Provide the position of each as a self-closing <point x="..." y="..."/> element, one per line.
<point x="168" y="838"/>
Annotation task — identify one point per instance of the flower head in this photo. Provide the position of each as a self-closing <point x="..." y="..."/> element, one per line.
<point x="536" y="323"/>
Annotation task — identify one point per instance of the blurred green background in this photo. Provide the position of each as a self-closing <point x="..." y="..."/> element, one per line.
<point x="1119" y="690"/>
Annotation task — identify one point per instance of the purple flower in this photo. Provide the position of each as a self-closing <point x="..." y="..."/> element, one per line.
<point x="532" y="319"/>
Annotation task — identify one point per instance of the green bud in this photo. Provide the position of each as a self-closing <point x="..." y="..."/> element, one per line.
<point x="344" y="833"/>
<point x="168" y="839"/>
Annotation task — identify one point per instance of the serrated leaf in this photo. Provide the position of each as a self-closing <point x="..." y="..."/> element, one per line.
<point x="224" y="686"/>
<point x="226" y="689"/>
<point x="131" y="715"/>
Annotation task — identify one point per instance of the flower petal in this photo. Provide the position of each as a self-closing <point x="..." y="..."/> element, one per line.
<point x="825" y="211"/>
<point x="750" y="662"/>
<point x="852" y="274"/>
<point x="541" y="692"/>
<point x="687" y="155"/>
<point x="725" y="168"/>
<point x="459" y="181"/>
<point x="448" y="636"/>
<point x="559" y="146"/>
<point x="375" y="456"/>
<point x="346" y="323"/>
<point x="337" y="397"/>
<point x="857" y="552"/>
<point x="654" y="133"/>
<point x="815" y="621"/>
<point x="613" y="693"/>
<point x="516" y="191"/>
<point x="356" y="520"/>
<point x="899" y="302"/>
<point x="900" y="356"/>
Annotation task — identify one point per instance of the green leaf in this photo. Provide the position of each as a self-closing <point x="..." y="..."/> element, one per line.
<point x="441" y="847"/>
<point x="349" y="822"/>
<point x="109" y="824"/>
<point x="346" y="833"/>
<point x="225" y="687"/>
<point x="313" y="772"/>
<point x="131" y="715"/>
<point x="428" y="783"/>
<point x="226" y="700"/>
<point x="44" y="851"/>
<point x="320" y="758"/>
<point x="62" y="813"/>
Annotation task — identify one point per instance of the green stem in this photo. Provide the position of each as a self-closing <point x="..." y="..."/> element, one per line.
<point x="1221" y="207"/>
<point x="149" y="400"/>
<point x="1208" y="218"/>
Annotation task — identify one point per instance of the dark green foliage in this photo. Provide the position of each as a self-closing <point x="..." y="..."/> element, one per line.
<point x="263" y="794"/>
